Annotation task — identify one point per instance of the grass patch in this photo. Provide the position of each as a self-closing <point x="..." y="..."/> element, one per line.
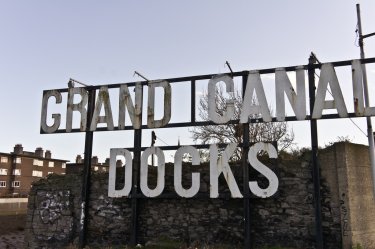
<point x="276" y="247"/>
<point x="12" y="212"/>
<point x="165" y="243"/>
<point x="12" y="223"/>
<point x="358" y="246"/>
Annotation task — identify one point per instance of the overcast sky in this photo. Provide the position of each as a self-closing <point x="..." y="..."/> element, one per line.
<point x="44" y="43"/>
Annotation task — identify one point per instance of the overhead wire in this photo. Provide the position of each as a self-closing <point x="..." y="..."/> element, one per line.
<point x="157" y="137"/>
<point x="349" y="117"/>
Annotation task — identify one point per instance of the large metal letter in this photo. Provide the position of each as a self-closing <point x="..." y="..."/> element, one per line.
<point x="328" y="75"/>
<point x="103" y="99"/>
<point x="358" y="91"/>
<point x="249" y="108"/>
<point x="180" y="190"/>
<point x="151" y="122"/>
<point x="135" y="112"/>
<point x="80" y="107"/>
<point x="357" y="74"/>
<point x="297" y="101"/>
<point x="212" y="112"/>
<point x="56" y="117"/>
<point x="144" y="172"/>
<point x="112" y="192"/>
<point x="221" y="165"/>
<point x="264" y="170"/>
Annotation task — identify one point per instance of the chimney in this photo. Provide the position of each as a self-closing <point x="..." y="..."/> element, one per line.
<point x="118" y="163"/>
<point x="39" y="152"/>
<point x="48" y="154"/>
<point x="78" y="159"/>
<point x="94" y="160"/>
<point x="18" y="149"/>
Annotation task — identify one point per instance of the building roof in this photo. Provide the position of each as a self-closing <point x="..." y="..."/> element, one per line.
<point x="30" y="154"/>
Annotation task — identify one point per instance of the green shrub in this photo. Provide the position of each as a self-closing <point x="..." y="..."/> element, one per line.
<point x="358" y="246"/>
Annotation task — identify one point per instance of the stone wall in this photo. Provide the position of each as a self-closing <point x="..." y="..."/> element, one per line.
<point x="286" y="219"/>
<point x="53" y="212"/>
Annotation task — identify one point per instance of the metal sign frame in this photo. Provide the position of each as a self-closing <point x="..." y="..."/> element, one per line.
<point x="135" y="195"/>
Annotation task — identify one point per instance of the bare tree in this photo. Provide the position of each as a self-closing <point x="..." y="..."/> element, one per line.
<point x="232" y="133"/>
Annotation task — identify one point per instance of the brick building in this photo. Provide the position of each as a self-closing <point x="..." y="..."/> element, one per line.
<point x="20" y="168"/>
<point x="77" y="167"/>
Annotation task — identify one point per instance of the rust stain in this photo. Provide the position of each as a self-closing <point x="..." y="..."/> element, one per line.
<point x="356" y="105"/>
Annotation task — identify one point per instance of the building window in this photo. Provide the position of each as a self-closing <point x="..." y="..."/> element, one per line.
<point x="3" y="184"/>
<point x="3" y="172"/>
<point x="104" y="169"/>
<point x="17" y="160"/>
<point x="50" y="173"/>
<point x="17" y="172"/>
<point x="96" y="168"/>
<point x="37" y="173"/>
<point x="16" y="184"/>
<point x="38" y="162"/>
<point x="51" y="164"/>
<point x="4" y="159"/>
<point x="63" y="165"/>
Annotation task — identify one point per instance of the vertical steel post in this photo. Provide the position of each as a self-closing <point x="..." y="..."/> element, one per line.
<point x="367" y="101"/>
<point x="192" y="113"/>
<point x="314" y="157"/>
<point x="134" y="193"/>
<point x="86" y="173"/>
<point x="245" y="170"/>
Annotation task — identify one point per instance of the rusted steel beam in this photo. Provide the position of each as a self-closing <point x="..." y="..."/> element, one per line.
<point x="245" y="170"/>
<point x="314" y="159"/>
<point x="235" y="74"/>
<point x="85" y="191"/>
<point x="134" y="192"/>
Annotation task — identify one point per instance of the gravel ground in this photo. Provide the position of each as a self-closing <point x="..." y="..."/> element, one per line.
<point x="12" y="231"/>
<point x="11" y="240"/>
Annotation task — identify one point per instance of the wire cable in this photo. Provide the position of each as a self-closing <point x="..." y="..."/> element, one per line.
<point x="349" y="117"/>
<point x="157" y="137"/>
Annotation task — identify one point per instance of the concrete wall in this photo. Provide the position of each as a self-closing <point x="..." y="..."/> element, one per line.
<point x="13" y="206"/>
<point x="286" y="219"/>
<point x="346" y="169"/>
